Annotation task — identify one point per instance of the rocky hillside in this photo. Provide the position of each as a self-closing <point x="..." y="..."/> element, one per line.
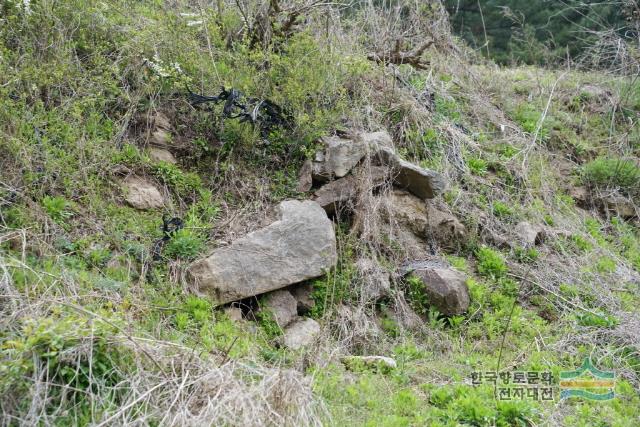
<point x="300" y="213"/>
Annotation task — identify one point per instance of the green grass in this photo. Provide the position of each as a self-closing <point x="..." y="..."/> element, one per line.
<point x="78" y="81"/>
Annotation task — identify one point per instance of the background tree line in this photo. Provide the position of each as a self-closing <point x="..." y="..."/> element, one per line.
<point x="545" y="31"/>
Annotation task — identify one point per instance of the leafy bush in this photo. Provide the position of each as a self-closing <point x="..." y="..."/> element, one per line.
<point x="607" y="172"/>
<point x="58" y="208"/>
<point x="501" y="209"/>
<point x="477" y="166"/>
<point x="416" y="295"/>
<point x="184" y="244"/>
<point x="596" y="320"/>
<point x="491" y="263"/>
<point x="528" y="117"/>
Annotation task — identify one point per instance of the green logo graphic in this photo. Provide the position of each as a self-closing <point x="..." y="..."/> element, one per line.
<point x="588" y="382"/>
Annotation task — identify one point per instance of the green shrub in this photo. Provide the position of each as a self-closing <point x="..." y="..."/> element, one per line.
<point x="606" y="265"/>
<point x="477" y="166"/>
<point x="181" y="182"/>
<point x="501" y="209"/>
<point x="525" y="255"/>
<point x="490" y="263"/>
<point x="528" y="117"/>
<point x="607" y="172"/>
<point x="184" y="244"/>
<point x="58" y="208"/>
<point x="416" y="294"/>
<point x="603" y="320"/>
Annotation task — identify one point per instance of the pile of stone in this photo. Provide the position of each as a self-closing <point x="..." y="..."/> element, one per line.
<point x="278" y="259"/>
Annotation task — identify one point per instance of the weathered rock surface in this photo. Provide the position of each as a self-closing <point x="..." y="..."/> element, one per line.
<point x="342" y="193"/>
<point x="376" y="282"/>
<point x="444" y="287"/>
<point x="305" y="178"/>
<point x="301" y="245"/>
<point x="233" y="313"/>
<point x="303" y="293"/>
<point x="141" y="194"/>
<point x="160" y="138"/>
<point x="422" y="183"/>
<point x="336" y="194"/>
<point x="445" y="227"/>
<point x="339" y="156"/>
<point x="282" y="305"/>
<point x="404" y="222"/>
<point x="161" y="155"/>
<point x="528" y="234"/>
<point x="301" y="333"/>
<point x="618" y="205"/>
<point x="160" y="121"/>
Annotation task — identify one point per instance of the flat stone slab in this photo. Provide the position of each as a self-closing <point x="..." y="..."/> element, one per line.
<point x="299" y="246"/>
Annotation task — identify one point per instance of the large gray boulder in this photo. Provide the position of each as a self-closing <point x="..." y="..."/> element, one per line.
<point x="301" y="245"/>
<point x="444" y="287"/>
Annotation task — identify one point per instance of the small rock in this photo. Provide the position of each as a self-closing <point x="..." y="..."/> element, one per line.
<point x="529" y="235"/>
<point x="377" y="363"/>
<point x="444" y="287"/>
<point x="420" y="182"/>
<point x="408" y="211"/>
<point x="303" y="293"/>
<point x="299" y="246"/>
<point x="305" y="178"/>
<point x="282" y="305"/>
<point x="160" y="138"/>
<point x="142" y="194"/>
<point x="580" y="195"/>
<point x="336" y="194"/>
<point x="343" y="192"/>
<point x="161" y="155"/>
<point x="618" y="205"/>
<point x="233" y="313"/>
<point x="301" y="333"/>
<point x="444" y="227"/>
<point x="339" y="156"/>
<point x="160" y="121"/>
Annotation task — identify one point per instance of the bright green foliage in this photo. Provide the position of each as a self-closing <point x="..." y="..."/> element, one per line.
<point x="606" y="172"/>
<point x="501" y="209"/>
<point x="527" y="255"/>
<point x="58" y="208"/>
<point x="47" y="342"/>
<point x="416" y="294"/>
<point x="477" y="166"/>
<point x="184" y="244"/>
<point x="490" y="263"/>
<point x="585" y="318"/>
<point x="268" y="323"/>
